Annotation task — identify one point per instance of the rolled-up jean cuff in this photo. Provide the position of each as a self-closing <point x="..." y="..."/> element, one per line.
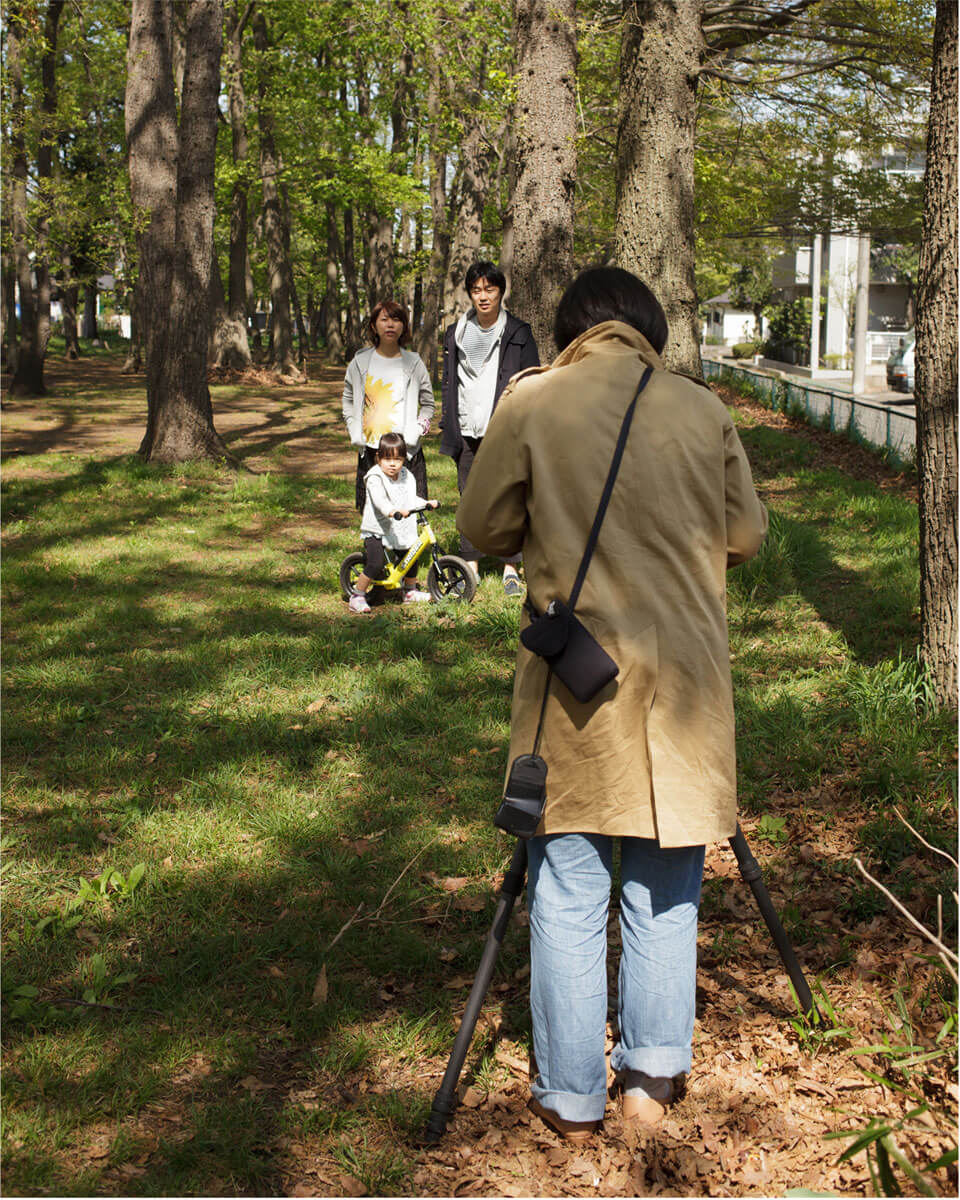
<point x="658" y="1061"/>
<point x="569" y="1105"/>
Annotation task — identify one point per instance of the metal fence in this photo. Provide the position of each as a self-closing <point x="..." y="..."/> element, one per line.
<point x="878" y="424"/>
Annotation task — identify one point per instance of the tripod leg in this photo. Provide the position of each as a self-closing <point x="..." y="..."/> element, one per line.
<point x="445" y="1100"/>
<point x="751" y="873"/>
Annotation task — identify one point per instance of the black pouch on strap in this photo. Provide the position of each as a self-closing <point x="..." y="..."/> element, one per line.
<point x="577" y="658"/>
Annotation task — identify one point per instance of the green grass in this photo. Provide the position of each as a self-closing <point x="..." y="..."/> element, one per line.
<point x="183" y="689"/>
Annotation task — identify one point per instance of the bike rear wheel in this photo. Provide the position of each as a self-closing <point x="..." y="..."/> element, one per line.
<point x="450" y="578"/>
<point x="350" y="570"/>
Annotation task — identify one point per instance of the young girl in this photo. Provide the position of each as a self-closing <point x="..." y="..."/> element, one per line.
<point x="387" y="390"/>
<point x="390" y="488"/>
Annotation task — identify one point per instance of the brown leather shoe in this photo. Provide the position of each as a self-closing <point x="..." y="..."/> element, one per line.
<point x="574" y="1131"/>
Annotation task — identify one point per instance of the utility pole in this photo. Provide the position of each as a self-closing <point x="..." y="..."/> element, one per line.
<point x="860" y="312"/>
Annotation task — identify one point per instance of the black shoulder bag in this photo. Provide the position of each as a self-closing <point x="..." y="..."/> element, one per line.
<point x="573" y="654"/>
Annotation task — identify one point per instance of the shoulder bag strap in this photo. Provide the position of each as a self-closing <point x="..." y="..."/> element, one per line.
<point x="595" y="531"/>
<point x="607" y="492"/>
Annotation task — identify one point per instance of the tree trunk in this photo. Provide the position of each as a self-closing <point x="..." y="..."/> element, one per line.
<point x="468" y="225"/>
<point x="89" y="328"/>
<point x="228" y="337"/>
<point x="546" y="129"/>
<point x="354" y="331"/>
<point x="506" y="238"/>
<point x="440" y="249"/>
<point x="171" y="178"/>
<point x="936" y="369"/>
<point x="331" y="300"/>
<point x="33" y="279"/>
<point x="660" y="55"/>
<point x="234" y="349"/>
<point x="278" y="263"/>
<point x="380" y="258"/>
<point x="133" y="363"/>
<point x="294" y="295"/>
<point x="69" y="298"/>
<point x="8" y="298"/>
<point x="418" y="282"/>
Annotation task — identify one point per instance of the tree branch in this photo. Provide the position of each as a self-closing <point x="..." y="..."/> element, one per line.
<point x="947" y="956"/>
<point x="755" y="32"/>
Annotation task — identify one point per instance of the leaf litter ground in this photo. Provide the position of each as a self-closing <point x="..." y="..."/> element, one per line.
<point x="761" y="1097"/>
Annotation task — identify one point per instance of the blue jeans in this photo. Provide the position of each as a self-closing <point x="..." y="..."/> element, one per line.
<point x="568" y="895"/>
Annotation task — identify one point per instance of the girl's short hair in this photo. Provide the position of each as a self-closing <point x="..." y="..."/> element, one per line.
<point x="488" y="271"/>
<point x="392" y="309"/>
<point x="392" y="445"/>
<point x="609" y="294"/>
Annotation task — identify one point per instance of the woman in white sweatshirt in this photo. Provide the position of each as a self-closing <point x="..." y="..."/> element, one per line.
<point x="387" y="390"/>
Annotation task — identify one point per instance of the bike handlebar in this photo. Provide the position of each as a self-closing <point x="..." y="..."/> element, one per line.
<point x="418" y="509"/>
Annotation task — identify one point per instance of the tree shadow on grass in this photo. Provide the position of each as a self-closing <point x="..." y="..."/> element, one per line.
<point x="873" y="607"/>
<point x="281" y="823"/>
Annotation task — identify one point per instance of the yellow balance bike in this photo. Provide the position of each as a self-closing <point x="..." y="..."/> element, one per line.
<point x="448" y="578"/>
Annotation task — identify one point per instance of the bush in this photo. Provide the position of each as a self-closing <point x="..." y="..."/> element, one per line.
<point x="745" y="349"/>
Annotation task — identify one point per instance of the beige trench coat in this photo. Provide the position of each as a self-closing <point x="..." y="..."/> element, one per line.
<point x="653" y="754"/>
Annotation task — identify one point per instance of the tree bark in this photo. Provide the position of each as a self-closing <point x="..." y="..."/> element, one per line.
<point x="936" y="369"/>
<point x="89" y="328"/>
<point x="232" y="346"/>
<point x="354" y="332"/>
<point x="171" y="177"/>
<point x="661" y="51"/>
<point x="546" y="117"/>
<point x="468" y="225"/>
<point x="440" y="248"/>
<point x="69" y="299"/>
<point x="133" y="363"/>
<point x="294" y="294"/>
<point x="278" y="263"/>
<point x="8" y="301"/>
<point x="331" y="300"/>
<point x="33" y="280"/>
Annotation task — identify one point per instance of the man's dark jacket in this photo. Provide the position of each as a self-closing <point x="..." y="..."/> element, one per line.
<point x="518" y="350"/>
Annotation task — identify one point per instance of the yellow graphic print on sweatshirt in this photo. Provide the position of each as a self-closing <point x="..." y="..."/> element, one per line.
<point x="381" y="407"/>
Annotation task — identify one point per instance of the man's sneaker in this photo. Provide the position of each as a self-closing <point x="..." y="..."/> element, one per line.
<point x="358" y="604"/>
<point x="415" y="596"/>
<point x="512" y="585"/>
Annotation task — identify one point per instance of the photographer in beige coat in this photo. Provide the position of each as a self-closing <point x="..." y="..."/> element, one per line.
<point x="651" y="758"/>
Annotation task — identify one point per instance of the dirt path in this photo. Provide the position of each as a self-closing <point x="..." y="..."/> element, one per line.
<point x="91" y="408"/>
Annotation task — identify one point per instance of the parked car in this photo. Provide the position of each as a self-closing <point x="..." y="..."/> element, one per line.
<point x="900" y="372"/>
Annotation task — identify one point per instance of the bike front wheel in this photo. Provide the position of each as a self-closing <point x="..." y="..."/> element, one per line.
<point x="449" y="578"/>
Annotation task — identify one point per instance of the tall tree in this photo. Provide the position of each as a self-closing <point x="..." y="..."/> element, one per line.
<point x="171" y="169"/>
<point x="792" y="53"/>
<point x="230" y="345"/>
<point x="662" y="49"/>
<point x="433" y="288"/>
<point x="275" y="234"/>
<point x="546" y="156"/>
<point x="33" y="270"/>
<point x="936" y="369"/>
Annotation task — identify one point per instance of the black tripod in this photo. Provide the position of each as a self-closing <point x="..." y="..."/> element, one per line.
<point x="445" y="1100"/>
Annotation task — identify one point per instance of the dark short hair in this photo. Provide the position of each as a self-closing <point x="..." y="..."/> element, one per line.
<point x="392" y="445"/>
<point x="392" y="309"/>
<point x="609" y="294"/>
<point x="485" y="270"/>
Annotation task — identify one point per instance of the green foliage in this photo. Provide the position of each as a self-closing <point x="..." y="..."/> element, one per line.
<point x="745" y="349"/>
<point x="772" y="829"/>
<point x="789" y="326"/>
